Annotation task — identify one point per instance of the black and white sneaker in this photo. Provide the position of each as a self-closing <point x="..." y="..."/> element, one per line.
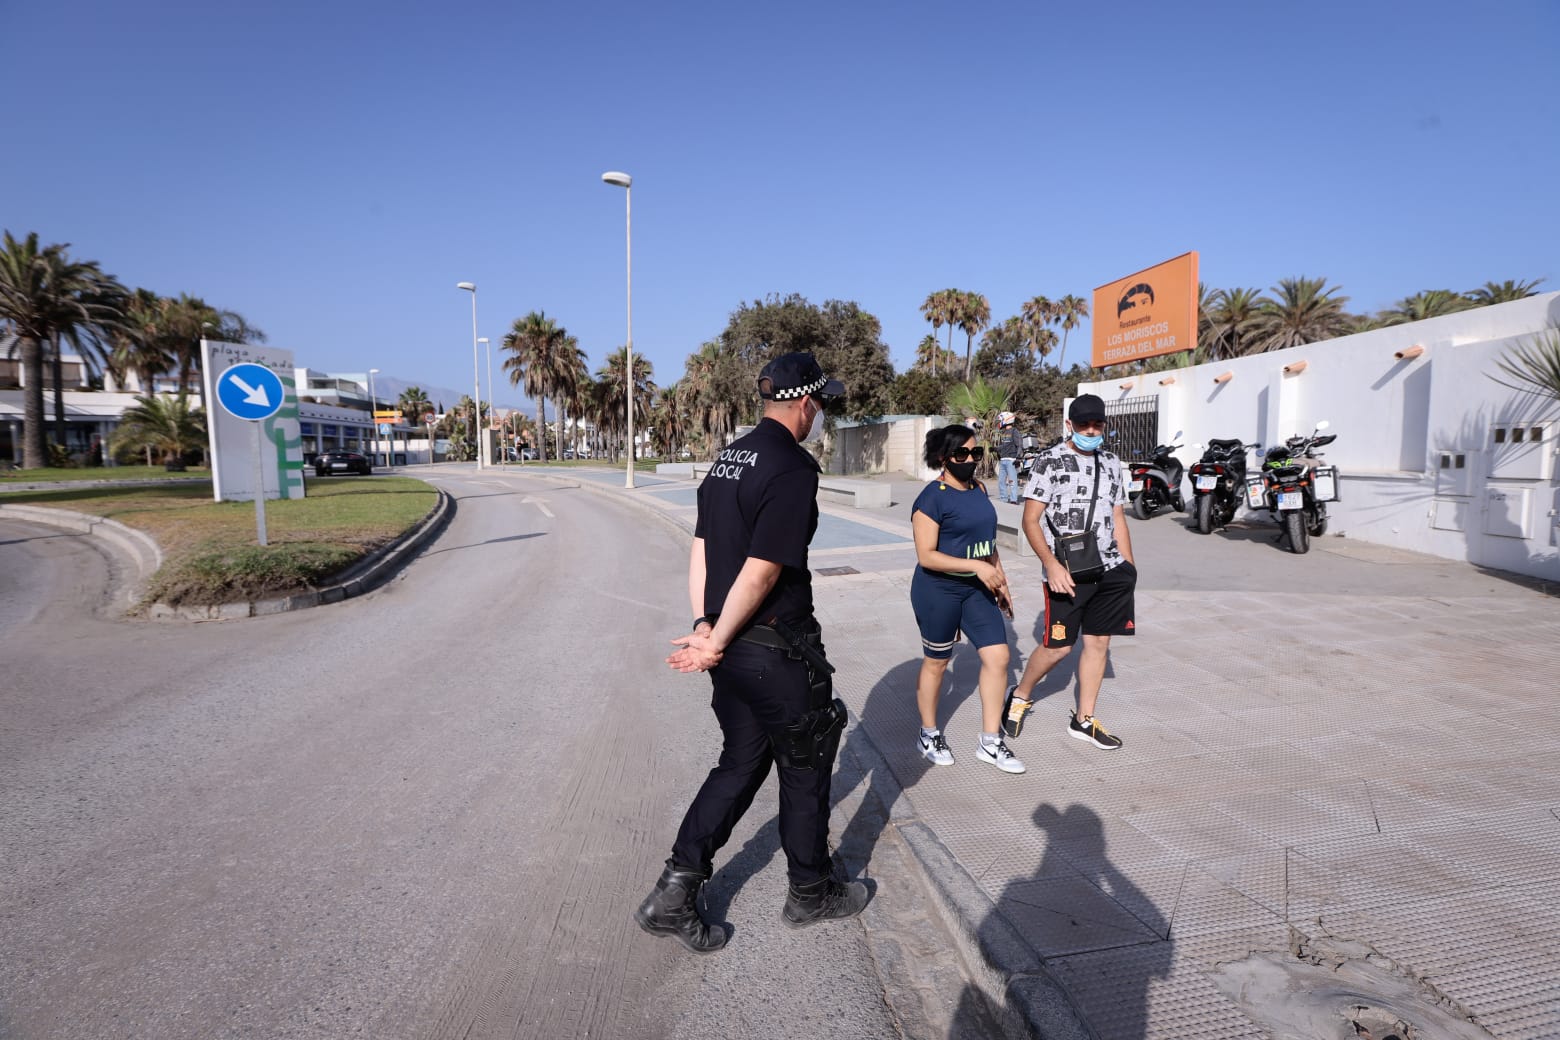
<point x="999" y="755"/>
<point x="1013" y="712"/>
<point x="1089" y="728"/>
<point x="935" y="749"/>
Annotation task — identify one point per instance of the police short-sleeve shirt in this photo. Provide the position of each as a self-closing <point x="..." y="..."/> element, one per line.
<point x="966" y="520"/>
<point x="1063" y="479"/>
<point x="760" y="499"/>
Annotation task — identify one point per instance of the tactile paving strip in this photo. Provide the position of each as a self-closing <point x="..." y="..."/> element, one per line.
<point x="1150" y="992"/>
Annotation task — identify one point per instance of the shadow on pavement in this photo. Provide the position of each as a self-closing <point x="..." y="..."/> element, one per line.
<point x="1077" y="898"/>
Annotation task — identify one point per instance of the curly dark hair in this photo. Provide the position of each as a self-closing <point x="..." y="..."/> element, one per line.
<point x="941" y="442"/>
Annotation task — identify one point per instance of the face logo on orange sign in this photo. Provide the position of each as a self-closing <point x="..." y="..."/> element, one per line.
<point x="1135" y="297"/>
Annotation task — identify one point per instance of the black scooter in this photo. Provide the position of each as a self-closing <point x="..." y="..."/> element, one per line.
<point x="1156" y="483"/>
<point x="1219" y="483"/>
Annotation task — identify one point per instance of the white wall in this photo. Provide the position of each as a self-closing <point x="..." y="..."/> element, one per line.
<point x="1395" y="419"/>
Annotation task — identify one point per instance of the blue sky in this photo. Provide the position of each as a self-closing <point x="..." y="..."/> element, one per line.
<point x="331" y="170"/>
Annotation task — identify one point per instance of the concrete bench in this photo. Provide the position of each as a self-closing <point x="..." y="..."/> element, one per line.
<point x="863" y="494"/>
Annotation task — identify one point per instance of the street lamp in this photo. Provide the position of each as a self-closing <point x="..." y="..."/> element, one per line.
<point x="487" y="349"/>
<point x="626" y="182"/>
<point x="373" y="409"/>
<point x="476" y="371"/>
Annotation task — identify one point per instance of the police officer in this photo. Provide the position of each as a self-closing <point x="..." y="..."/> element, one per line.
<point x="756" y="636"/>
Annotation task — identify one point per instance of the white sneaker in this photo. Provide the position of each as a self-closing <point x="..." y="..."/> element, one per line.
<point x="935" y="749"/>
<point x="999" y="755"/>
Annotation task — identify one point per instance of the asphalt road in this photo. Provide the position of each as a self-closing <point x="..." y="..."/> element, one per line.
<point x="423" y="813"/>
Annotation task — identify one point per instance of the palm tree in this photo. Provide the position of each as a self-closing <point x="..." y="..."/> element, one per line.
<point x="1232" y="319"/>
<point x="974" y="315"/>
<point x="1432" y="303"/>
<point x="1069" y="310"/>
<point x="710" y="394"/>
<point x="669" y="421"/>
<point x="979" y="400"/>
<point x="614" y="397"/>
<point x="1037" y="314"/>
<point x="574" y="392"/>
<point x="1534" y="367"/>
<point x="161" y="424"/>
<point x="139" y="345"/>
<point x="539" y="359"/>
<point x="414" y="404"/>
<point x="48" y="298"/>
<point x="1505" y="292"/>
<point x="188" y="320"/>
<point x="1304" y="310"/>
<point x="935" y="310"/>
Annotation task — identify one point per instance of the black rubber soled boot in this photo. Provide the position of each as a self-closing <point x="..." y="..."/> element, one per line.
<point x="672" y="908"/>
<point x="825" y="900"/>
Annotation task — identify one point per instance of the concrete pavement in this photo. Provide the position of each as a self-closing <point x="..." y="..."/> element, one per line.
<point x="1337" y="811"/>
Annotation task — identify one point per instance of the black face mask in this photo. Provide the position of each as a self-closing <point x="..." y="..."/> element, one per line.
<point x="963" y="472"/>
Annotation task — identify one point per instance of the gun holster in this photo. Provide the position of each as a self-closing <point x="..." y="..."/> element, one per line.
<point x="811" y="740"/>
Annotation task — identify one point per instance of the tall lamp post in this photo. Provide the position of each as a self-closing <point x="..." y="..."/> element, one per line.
<point x="626" y="182"/>
<point x="487" y="349"/>
<point x="373" y="410"/>
<point x="476" y="371"/>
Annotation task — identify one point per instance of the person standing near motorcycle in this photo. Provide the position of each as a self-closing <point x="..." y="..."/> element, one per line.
<point x="756" y="636"/>
<point x="1009" y="448"/>
<point x="1078" y="489"/>
<point x="959" y="587"/>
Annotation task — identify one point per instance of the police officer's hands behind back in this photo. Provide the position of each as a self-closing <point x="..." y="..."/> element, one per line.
<point x="699" y="652"/>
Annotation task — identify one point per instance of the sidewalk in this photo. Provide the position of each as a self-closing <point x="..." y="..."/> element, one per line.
<point x="1337" y="809"/>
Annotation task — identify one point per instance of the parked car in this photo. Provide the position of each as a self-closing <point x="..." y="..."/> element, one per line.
<point x="341" y="462"/>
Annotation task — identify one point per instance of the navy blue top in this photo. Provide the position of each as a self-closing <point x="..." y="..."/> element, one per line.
<point x="966" y="520"/>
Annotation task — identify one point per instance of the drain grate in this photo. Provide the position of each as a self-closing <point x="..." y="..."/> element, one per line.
<point x="830" y="572"/>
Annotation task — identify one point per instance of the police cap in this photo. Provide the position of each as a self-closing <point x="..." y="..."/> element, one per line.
<point x="791" y="376"/>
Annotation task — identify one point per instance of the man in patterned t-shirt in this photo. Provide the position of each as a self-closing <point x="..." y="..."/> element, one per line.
<point x="1058" y="498"/>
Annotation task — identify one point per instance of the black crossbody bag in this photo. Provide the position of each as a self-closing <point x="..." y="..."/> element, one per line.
<point x="1080" y="553"/>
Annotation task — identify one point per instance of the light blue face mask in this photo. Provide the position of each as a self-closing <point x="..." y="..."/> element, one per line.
<point x="1088" y="442"/>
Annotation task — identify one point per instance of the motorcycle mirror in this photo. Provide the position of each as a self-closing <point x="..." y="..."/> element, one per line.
<point x="1178" y="435"/>
<point x="1323" y="424"/>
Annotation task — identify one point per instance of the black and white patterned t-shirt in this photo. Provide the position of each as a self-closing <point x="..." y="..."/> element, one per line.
<point x="1062" y="479"/>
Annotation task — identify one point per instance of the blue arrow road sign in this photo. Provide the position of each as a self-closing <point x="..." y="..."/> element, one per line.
<point x="250" y="391"/>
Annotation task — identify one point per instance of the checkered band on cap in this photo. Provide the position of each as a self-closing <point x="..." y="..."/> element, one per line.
<point x="801" y="391"/>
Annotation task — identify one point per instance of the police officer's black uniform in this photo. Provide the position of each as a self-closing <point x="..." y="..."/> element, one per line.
<point x="771" y="696"/>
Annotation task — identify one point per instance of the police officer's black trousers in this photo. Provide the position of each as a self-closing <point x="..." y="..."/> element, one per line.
<point x="757" y="692"/>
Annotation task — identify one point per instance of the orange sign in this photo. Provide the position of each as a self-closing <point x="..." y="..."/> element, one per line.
<point x="387" y="417"/>
<point x="1146" y="314"/>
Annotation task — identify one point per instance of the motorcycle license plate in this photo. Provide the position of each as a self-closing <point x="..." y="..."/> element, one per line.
<point x="1206" y="483"/>
<point x="1291" y="500"/>
<point x="1135" y="486"/>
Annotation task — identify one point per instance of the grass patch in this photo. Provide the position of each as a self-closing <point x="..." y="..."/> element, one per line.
<point x="210" y="549"/>
<point x="94" y="473"/>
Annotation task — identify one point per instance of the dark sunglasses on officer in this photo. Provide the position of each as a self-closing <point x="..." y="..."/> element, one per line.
<point x="965" y="454"/>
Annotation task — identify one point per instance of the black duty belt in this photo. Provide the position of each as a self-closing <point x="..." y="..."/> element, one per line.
<point x="799" y="646"/>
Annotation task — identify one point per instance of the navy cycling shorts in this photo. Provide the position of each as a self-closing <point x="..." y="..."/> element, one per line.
<point x="945" y="606"/>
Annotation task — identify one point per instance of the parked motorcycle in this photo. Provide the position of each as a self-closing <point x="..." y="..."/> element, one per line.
<point x="1029" y="451"/>
<point x="1296" y="488"/>
<point x="1218" y="483"/>
<point x="1156" y="483"/>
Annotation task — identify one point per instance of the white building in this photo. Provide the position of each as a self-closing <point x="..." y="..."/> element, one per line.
<point x="1435" y="455"/>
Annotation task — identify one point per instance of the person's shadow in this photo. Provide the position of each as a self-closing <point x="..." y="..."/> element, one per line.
<point x="1103" y="940"/>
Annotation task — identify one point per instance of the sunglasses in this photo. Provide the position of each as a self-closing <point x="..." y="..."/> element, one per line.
<point x="965" y="454"/>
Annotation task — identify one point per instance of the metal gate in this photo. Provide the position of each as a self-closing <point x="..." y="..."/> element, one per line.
<point x="1134" y="426"/>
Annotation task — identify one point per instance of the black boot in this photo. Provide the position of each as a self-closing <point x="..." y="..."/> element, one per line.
<point x="673" y="909"/>
<point x="824" y="900"/>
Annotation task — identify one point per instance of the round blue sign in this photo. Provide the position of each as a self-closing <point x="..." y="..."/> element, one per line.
<point x="250" y="391"/>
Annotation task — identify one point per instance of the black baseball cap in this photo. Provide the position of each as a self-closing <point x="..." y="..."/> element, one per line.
<point x="1086" y="408"/>
<point x="791" y="376"/>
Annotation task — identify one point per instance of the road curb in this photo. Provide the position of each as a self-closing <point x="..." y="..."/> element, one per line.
<point x="142" y="550"/>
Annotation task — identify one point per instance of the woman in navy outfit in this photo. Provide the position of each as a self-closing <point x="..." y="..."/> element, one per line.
<point x="959" y="586"/>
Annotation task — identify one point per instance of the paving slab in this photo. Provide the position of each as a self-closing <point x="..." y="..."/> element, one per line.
<point x="1348" y="758"/>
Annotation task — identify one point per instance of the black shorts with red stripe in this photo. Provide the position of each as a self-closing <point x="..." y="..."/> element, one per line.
<point x="1101" y="608"/>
